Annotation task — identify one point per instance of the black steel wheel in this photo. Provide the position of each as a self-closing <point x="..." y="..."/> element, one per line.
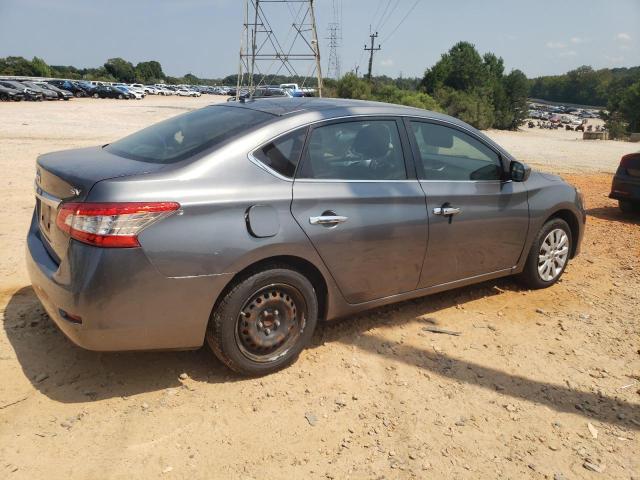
<point x="264" y="321"/>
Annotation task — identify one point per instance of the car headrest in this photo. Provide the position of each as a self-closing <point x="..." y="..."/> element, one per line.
<point x="372" y="141"/>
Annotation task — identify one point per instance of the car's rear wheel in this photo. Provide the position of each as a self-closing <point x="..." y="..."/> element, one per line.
<point x="95" y="95"/>
<point x="627" y="206"/>
<point x="78" y="94"/>
<point x="120" y="97"/>
<point x="549" y="255"/>
<point x="264" y="321"/>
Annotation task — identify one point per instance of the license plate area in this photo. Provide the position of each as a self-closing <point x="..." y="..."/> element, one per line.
<point x="45" y="217"/>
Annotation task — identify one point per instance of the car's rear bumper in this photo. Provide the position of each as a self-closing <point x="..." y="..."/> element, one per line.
<point x="625" y="187"/>
<point x="124" y="303"/>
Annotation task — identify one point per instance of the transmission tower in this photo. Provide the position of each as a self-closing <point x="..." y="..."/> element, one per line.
<point x="335" y="35"/>
<point x="268" y="49"/>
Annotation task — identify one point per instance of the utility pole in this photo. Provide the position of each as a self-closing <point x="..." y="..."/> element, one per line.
<point x="371" y="50"/>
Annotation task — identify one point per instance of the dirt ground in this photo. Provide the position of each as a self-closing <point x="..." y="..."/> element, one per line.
<point x="539" y="384"/>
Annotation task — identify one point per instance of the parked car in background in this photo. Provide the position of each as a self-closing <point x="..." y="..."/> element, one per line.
<point x="263" y="92"/>
<point x="626" y="183"/>
<point x="62" y="94"/>
<point x="163" y="90"/>
<point x="107" y="91"/>
<point x="10" y="94"/>
<point x="45" y="92"/>
<point x="29" y="93"/>
<point x="183" y="92"/>
<point x="73" y="87"/>
<point x="243" y="224"/>
<point x="150" y="90"/>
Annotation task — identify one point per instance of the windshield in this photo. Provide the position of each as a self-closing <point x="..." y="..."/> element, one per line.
<point x="185" y="135"/>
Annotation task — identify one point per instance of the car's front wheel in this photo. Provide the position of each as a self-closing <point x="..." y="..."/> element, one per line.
<point x="264" y="321"/>
<point x="549" y="255"/>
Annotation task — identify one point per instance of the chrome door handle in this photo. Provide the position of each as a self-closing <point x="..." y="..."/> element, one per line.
<point x="327" y="220"/>
<point x="446" y="211"/>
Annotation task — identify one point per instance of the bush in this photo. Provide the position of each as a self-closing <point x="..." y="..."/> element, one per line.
<point x="469" y="107"/>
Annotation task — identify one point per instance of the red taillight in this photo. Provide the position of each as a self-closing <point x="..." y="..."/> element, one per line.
<point x="111" y="224"/>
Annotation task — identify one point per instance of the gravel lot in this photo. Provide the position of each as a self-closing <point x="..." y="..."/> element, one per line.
<point x="542" y="384"/>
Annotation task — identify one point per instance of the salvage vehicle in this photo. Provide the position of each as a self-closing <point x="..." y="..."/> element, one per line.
<point x="10" y="94"/>
<point x="62" y="94"/>
<point x="243" y="224"/>
<point x="107" y="91"/>
<point x="46" y="93"/>
<point x="626" y="183"/>
<point x="28" y="93"/>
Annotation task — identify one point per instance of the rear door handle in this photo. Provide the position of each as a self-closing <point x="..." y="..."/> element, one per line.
<point x="327" y="220"/>
<point x="446" y="211"/>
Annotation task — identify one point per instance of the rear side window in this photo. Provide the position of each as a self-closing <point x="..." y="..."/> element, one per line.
<point x="183" y="136"/>
<point x="283" y="154"/>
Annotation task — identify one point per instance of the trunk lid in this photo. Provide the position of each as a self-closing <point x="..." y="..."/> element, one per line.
<point x="70" y="175"/>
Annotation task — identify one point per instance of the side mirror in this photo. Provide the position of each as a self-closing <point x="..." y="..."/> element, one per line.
<point x="519" y="171"/>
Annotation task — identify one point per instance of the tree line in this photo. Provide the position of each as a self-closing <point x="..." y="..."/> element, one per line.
<point x="463" y="83"/>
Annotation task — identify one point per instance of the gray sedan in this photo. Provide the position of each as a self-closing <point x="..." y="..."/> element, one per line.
<point x="242" y="225"/>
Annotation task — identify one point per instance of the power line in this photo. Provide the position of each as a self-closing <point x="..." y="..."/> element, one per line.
<point x="401" y="21"/>
<point x="389" y="15"/>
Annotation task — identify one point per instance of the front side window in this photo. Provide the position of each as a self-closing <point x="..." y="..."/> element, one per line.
<point x="283" y="153"/>
<point x="355" y="150"/>
<point x="183" y="136"/>
<point x="449" y="154"/>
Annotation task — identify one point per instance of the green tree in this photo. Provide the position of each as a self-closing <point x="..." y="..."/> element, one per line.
<point x="121" y="70"/>
<point x="16" y="66"/>
<point x="40" y="68"/>
<point x="149" y="72"/>
<point x="351" y="86"/>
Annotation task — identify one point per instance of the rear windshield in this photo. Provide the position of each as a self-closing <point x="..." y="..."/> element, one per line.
<point x="183" y="136"/>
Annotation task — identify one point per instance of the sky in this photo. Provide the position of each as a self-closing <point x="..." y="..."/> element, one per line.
<point x="539" y="37"/>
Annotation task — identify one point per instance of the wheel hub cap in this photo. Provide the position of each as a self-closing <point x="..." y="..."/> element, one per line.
<point x="270" y="322"/>
<point x="553" y="254"/>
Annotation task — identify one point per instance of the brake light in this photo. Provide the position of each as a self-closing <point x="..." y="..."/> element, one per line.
<point x="111" y="224"/>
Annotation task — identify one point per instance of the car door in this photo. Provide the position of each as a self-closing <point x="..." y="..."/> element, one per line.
<point x="364" y="212"/>
<point x="478" y="220"/>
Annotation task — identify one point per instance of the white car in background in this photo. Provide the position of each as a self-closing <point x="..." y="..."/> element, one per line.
<point x="183" y="92"/>
<point x="137" y="91"/>
<point x="150" y="90"/>
<point x="163" y="91"/>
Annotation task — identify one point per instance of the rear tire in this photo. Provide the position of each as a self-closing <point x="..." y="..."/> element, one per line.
<point x="548" y="256"/>
<point x="264" y="321"/>
<point x="627" y="206"/>
<point x="95" y="95"/>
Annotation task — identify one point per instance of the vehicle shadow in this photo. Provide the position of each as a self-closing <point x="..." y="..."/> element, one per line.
<point x="78" y="375"/>
<point x="557" y="397"/>
<point x="612" y="213"/>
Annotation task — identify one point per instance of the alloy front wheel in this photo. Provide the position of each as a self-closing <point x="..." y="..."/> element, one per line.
<point x="553" y="254"/>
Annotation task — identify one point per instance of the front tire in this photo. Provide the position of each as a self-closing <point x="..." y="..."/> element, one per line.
<point x="264" y="321"/>
<point x="549" y="255"/>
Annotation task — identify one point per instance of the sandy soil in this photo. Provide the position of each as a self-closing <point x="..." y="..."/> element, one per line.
<point x="542" y="384"/>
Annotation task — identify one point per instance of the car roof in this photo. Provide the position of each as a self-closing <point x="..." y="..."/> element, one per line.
<point x="338" y="107"/>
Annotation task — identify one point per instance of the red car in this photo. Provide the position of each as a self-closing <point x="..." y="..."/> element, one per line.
<point x="626" y="183"/>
